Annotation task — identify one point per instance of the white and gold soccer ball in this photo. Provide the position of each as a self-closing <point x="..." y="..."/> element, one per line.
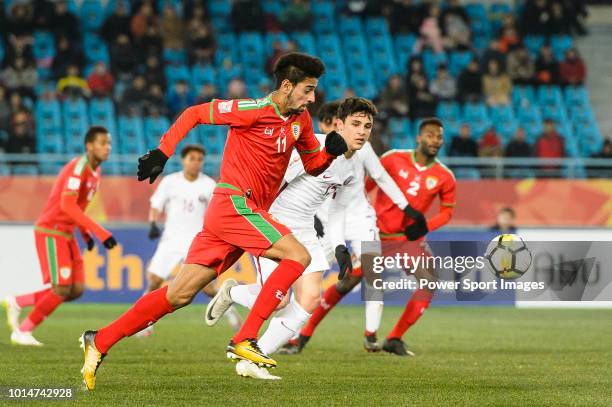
<point x="508" y="257"/>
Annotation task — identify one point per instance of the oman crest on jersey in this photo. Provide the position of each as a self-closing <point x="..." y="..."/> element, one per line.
<point x="295" y="130"/>
<point x="431" y="182"/>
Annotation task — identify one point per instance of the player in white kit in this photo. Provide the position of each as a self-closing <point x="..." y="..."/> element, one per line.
<point x="183" y="196"/>
<point x="295" y="206"/>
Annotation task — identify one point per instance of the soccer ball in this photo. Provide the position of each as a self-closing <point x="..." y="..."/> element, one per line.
<point x="508" y="257"/>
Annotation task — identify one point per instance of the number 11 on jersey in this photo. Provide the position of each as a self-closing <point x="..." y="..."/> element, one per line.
<point x="281" y="143"/>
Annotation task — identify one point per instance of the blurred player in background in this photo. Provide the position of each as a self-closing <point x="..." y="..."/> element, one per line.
<point x="359" y="225"/>
<point x="505" y="221"/>
<point x="60" y="259"/>
<point x="183" y="196"/>
<point x="295" y="206"/>
<point x="422" y="178"/>
<point x="261" y="136"/>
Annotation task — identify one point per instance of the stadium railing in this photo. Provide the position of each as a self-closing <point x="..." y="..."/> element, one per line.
<point x="463" y="167"/>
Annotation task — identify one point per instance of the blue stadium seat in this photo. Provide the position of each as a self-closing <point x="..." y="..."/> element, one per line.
<point x="323" y="9"/>
<point x="92" y="15"/>
<point x="560" y="44"/>
<point x="48" y="115"/>
<point x="550" y="95"/>
<point x="271" y="6"/>
<point x="403" y="143"/>
<point x="376" y="27"/>
<point x="576" y="95"/>
<point x="102" y="112"/>
<point x="24" y="169"/>
<point x="466" y="173"/>
<point x="474" y="111"/>
<point x="448" y="111"/>
<point x="272" y="37"/>
<point x="305" y="42"/>
<point x="451" y="128"/>
<point x="534" y="43"/>
<point x="74" y="115"/>
<point x="458" y="61"/>
<point x="349" y="25"/>
<point x="50" y="142"/>
<point x="480" y="127"/>
<point x="533" y="129"/>
<point x="95" y="49"/>
<point x="202" y="74"/>
<point x="175" y="56"/>
<point x="226" y="40"/>
<point x="529" y="114"/>
<point x="400" y="126"/>
<point x="251" y="46"/>
<point x="581" y="114"/>
<point x="506" y="129"/>
<point x="220" y="8"/>
<point x="131" y="135"/>
<point x="44" y="45"/>
<point x="554" y="112"/>
<point x="154" y="128"/>
<point x="1" y="50"/>
<point x="501" y="113"/>
<point x="590" y="139"/>
<point x="523" y="96"/>
<point x="431" y="61"/>
<point x="175" y="73"/>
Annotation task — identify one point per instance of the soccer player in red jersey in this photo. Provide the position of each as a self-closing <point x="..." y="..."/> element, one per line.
<point x="260" y="139"/>
<point x="58" y="252"/>
<point x="422" y="178"/>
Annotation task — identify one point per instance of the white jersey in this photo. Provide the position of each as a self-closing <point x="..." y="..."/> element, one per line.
<point x="303" y="194"/>
<point x="184" y="203"/>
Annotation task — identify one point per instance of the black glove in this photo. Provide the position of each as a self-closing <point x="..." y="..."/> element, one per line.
<point x="343" y="257"/>
<point x="416" y="231"/>
<point x="110" y="243"/>
<point x="318" y="227"/>
<point x="414" y="214"/>
<point x="154" y="231"/>
<point x="335" y="144"/>
<point x="89" y="242"/>
<point x="151" y="165"/>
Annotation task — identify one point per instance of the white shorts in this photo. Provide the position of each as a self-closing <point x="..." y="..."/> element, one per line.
<point x="361" y="228"/>
<point x="309" y="239"/>
<point x="165" y="259"/>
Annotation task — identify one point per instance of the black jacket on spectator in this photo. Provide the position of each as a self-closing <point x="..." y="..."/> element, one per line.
<point x="247" y="15"/>
<point x="64" y="58"/>
<point x="463" y="147"/>
<point x="469" y="85"/>
<point x="406" y="19"/>
<point x="66" y="24"/>
<point x="113" y="26"/>
<point x="516" y="148"/>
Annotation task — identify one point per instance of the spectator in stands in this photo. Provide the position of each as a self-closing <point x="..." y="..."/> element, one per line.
<point x="101" y="81"/>
<point x="422" y="102"/>
<point x="599" y="171"/>
<point x="154" y="72"/>
<point x="431" y="35"/>
<point x="5" y="109"/>
<point x="550" y="144"/>
<point x="193" y="10"/>
<point x="18" y="47"/>
<point x="16" y="104"/>
<point x="521" y="67"/>
<point x="21" y="134"/>
<point x="201" y="43"/>
<point x="20" y="21"/>
<point x="455" y="25"/>
<point x="155" y="100"/>
<point x="134" y="97"/>
<point x="405" y="17"/>
<point x="572" y="71"/>
<point x="496" y="86"/>
<point x="236" y="89"/>
<point x="415" y="72"/>
<point x="559" y="23"/>
<point x="490" y="144"/>
<point x="247" y="15"/>
<point x="208" y="92"/>
<point x="20" y="77"/>
<point x="116" y="24"/>
<point x="296" y="16"/>
<point x="576" y="12"/>
<point x="443" y="86"/>
<point x="143" y="19"/>
<point x="463" y="145"/>
<point x="470" y="83"/>
<point x="179" y="98"/>
<point x="123" y="58"/>
<point x="151" y="43"/>
<point x="493" y="53"/>
<point x="505" y="221"/>
<point x="65" y="23"/>
<point x="535" y="18"/>
<point x="172" y="29"/>
<point x="606" y="150"/>
<point x="518" y="146"/>
<point x="67" y="54"/>
<point x="510" y="40"/>
<point x="547" y="68"/>
<point x="394" y="98"/>
<point x="73" y="84"/>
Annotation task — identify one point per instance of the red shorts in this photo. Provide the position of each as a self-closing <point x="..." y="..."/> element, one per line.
<point x="233" y="224"/>
<point x="60" y="258"/>
<point x="414" y="248"/>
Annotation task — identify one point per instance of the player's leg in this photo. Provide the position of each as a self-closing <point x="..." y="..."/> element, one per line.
<point x="415" y="307"/>
<point x="232" y="315"/>
<point x="373" y="305"/>
<point x="13" y="305"/>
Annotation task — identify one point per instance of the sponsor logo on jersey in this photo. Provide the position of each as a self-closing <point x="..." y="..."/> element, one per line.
<point x="225" y="107"/>
<point x="280" y="295"/>
<point x="431" y="182"/>
<point x="295" y="130"/>
<point x="403" y="174"/>
<point x="74" y="183"/>
<point x="348" y="180"/>
<point x="65" y="272"/>
<point x="268" y="131"/>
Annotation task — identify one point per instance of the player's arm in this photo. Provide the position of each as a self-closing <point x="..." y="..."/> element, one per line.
<point x="315" y="159"/>
<point x="380" y="176"/>
<point x="217" y="112"/>
<point x="447" y="203"/>
<point x="87" y="238"/>
<point x="69" y="205"/>
<point x="158" y="202"/>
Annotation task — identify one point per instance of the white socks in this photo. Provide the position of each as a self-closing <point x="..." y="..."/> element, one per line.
<point x="285" y="324"/>
<point x="245" y="295"/>
<point x="373" y="315"/>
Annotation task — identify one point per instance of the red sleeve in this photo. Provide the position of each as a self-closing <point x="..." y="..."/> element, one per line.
<point x="221" y="112"/>
<point x="315" y="159"/>
<point x="70" y="207"/>
<point x="447" y="203"/>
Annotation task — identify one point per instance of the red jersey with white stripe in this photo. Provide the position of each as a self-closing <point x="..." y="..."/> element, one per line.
<point x="258" y="146"/>
<point x="420" y="185"/>
<point x="77" y="178"/>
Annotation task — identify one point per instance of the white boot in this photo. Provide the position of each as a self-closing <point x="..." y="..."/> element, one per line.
<point x="245" y="368"/>
<point x="24" y="339"/>
<point x="12" y="312"/>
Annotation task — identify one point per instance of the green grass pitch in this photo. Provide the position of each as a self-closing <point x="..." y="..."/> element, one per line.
<point x="465" y="356"/>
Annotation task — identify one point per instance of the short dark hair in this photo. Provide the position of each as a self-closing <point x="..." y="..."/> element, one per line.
<point x="430" y="120"/>
<point x="356" y="105"/>
<point x="296" y="66"/>
<point x="93" y="132"/>
<point x="328" y="111"/>
<point x="192" y="147"/>
<point x="508" y="210"/>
